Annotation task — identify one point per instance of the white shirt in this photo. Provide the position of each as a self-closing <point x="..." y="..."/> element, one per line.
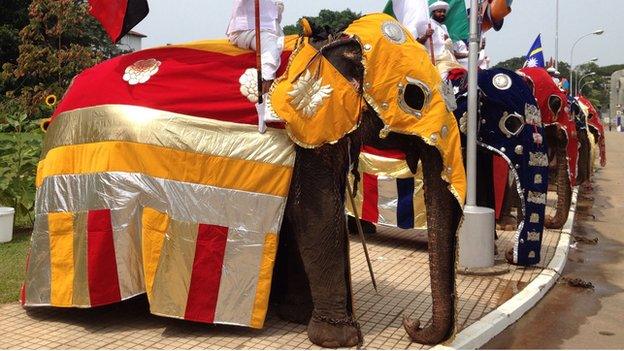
<point x="244" y="18"/>
<point x="440" y="33"/>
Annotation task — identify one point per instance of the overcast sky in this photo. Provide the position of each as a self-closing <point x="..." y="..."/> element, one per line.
<point x="186" y="20"/>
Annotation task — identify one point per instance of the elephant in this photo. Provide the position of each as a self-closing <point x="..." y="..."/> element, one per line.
<point x="594" y="125"/>
<point x="584" y="154"/>
<point x="561" y="140"/>
<point x="372" y="83"/>
<point x="510" y="126"/>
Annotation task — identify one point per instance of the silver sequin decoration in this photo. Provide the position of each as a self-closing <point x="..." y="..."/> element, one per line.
<point x="519" y="150"/>
<point x="502" y="81"/>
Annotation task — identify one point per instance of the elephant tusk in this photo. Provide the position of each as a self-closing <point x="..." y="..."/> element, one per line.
<point x="361" y="233"/>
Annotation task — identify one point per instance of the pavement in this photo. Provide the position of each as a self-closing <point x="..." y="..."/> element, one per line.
<point x="577" y="318"/>
<point x="486" y="305"/>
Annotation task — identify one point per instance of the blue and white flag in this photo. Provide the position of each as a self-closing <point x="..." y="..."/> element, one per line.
<point x="535" y="57"/>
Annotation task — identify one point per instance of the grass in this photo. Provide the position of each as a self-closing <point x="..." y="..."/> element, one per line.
<point x="13" y="265"/>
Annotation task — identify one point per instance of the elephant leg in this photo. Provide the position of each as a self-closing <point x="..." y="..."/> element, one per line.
<point x="443" y="216"/>
<point x="564" y="191"/>
<point x="583" y="159"/>
<point x="316" y="213"/>
<point x="291" y="289"/>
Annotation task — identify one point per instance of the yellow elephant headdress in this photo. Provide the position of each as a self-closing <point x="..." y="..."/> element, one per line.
<point x="406" y="91"/>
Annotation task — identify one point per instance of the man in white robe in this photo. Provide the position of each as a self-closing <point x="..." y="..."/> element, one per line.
<point x="241" y="32"/>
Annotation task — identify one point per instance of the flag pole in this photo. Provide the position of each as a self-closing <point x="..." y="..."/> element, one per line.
<point x="258" y="51"/>
<point x="431" y="47"/>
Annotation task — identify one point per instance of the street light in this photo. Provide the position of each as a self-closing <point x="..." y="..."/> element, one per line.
<point x="578" y="82"/>
<point x="596" y="32"/>
<point x="583" y="86"/>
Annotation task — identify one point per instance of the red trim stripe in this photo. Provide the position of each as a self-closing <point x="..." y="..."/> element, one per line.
<point x="391" y="153"/>
<point x="101" y="260"/>
<point x="370" y="209"/>
<point x="501" y="174"/>
<point x="206" y="277"/>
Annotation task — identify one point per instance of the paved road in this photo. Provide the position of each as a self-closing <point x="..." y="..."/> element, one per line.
<point x="576" y="318"/>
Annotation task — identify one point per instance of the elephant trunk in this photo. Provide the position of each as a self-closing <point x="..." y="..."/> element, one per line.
<point x="564" y="190"/>
<point x="583" y="160"/>
<point x="442" y="221"/>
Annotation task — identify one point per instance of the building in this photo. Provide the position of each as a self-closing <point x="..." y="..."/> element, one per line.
<point x="131" y="41"/>
<point x="617" y="96"/>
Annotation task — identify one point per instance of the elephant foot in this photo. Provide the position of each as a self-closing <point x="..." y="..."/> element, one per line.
<point x="509" y="256"/>
<point x="334" y="332"/>
<point x="298" y="312"/>
<point x="507" y="223"/>
<point x="367" y="227"/>
<point x="553" y="222"/>
<point x="426" y="336"/>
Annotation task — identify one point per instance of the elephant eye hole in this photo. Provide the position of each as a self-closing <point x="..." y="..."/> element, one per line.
<point x="555" y="104"/>
<point x="414" y="96"/>
<point x="511" y="124"/>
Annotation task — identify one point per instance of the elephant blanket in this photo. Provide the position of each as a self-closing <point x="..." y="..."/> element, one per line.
<point x="154" y="179"/>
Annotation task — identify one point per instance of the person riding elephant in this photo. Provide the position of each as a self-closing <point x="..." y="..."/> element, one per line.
<point x="180" y="199"/>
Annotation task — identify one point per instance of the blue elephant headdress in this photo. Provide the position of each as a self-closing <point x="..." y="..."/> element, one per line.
<point x="510" y="125"/>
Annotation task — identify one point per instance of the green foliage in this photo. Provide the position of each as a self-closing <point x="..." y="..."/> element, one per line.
<point x="513" y="63"/>
<point x="335" y="20"/>
<point x="60" y="40"/>
<point x="13" y="17"/>
<point x="20" y="148"/>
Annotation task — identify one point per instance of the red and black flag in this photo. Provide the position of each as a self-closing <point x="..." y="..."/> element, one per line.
<point x="118" y="17"/>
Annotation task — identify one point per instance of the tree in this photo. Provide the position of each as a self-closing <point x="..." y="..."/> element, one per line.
<point x="60" y="40"/>
<point x="327" y="19"/>
<point x="13" y="17"/>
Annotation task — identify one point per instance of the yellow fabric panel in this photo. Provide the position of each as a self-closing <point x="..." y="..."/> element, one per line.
<point x="391" y="66"/>
<point x="166" y="163"/>
<point x="264" y="282"/>
<point x="154" y="226"/>
<point x="337" y="112"/>
<point x="61" y="226"/>
<point x="81" y="276"/>
<point x="223" y="46"/>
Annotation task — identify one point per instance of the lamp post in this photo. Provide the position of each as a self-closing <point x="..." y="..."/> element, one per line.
<point x="583" y="86"/>
<point x="596" y="32"/>
<point x="578" y="82"/>
<point x="557" y="35"/>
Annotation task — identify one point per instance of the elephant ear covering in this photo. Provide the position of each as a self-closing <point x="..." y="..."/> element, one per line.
<point x="318" y="104"/>
<point x="511" y="127"/>
<point x="406" y="91"/>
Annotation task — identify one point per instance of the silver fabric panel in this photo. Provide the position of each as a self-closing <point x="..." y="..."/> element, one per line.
<point x="189" y="202"/>
<point x="38" y="274"/>
<point x="241" y="262"/>
<point x="127" y="240"/>
<point x="161" y="128"/>
<point x="81" y="276"/>
<point x="173" y="277"/>
<point x="388" y="200"/>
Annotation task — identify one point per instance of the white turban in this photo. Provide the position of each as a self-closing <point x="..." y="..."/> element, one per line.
<point x="438" y="5"/>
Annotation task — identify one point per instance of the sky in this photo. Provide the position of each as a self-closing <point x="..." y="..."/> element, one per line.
<point x="186" y="20"/>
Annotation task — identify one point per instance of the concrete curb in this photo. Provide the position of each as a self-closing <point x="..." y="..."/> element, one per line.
<point x="482" y="331"/>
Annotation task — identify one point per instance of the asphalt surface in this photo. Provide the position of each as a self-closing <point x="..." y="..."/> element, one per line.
<point x="573" y="317"/>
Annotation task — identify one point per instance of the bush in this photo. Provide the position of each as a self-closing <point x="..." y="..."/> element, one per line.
<point x="20" y="148"/>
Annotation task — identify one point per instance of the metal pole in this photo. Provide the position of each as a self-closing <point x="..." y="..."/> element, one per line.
<point x="557" y="36"/>
<point x="572" y="85"/>
<point x="258" y="50"/>
<point x="471" y="144"/>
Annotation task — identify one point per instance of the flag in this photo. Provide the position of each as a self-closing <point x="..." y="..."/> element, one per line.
<point x="411" y="13"/>
<point x="456" y="19"/>
<point x="118" y="17"/>
<point x="535" y="56"/>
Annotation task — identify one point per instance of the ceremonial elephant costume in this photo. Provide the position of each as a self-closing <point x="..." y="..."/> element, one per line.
<point x="138" y="194"/>
<point x="560" y="137"/>
<point x="580" y="115"/>
<point x="595" y="127"/>
<point x="509" y="126"/>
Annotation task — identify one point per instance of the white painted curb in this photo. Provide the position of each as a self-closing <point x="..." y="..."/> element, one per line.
<point x="483" y="330"/>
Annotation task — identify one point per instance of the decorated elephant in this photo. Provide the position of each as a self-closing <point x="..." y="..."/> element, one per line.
<point x="510" y="126"/>
<point x="595" y="127"/>
<point x="580" y="114"/>
<point x="155" y="180"/>
<point x="561" y="139"/>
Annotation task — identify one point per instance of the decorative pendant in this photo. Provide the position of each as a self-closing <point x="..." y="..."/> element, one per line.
<point x="308" y="94"/>
<point x="249" y="84"/>
<point x="141" y="71"/>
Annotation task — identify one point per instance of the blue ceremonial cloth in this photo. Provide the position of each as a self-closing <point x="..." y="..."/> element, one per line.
<point x="535" y="56"/>
<point x="503" y="93"/>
